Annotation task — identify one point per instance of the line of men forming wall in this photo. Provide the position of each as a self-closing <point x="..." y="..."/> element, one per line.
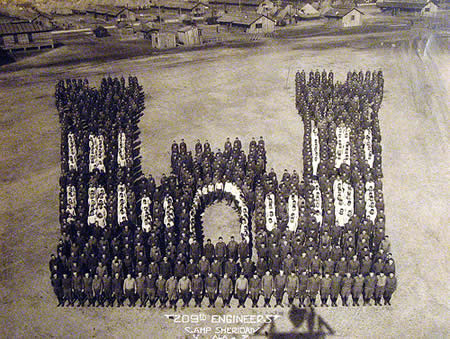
<point x="126" y="238"/>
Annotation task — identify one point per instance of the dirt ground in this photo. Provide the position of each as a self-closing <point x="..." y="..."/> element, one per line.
<point x="214" y="94"/>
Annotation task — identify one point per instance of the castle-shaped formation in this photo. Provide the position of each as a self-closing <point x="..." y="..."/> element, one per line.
<point x="321" y="232"/>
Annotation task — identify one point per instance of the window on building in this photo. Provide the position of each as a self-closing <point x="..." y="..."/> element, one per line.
<point x="30" y="37"/>
<point x="427" y="9"/>
<point x="352" y="18"/>
<point x="258" y="26"/>
<point x="16" y="39"/>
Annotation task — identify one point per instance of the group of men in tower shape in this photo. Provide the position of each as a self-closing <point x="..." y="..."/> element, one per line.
<point x="125" y="237"/>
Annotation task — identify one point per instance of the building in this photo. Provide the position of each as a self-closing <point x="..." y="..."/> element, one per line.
<point x="234" y="5"/>
<point x="431" y="9"/>
<point x="308" y="12"/>
<point x="267" y="7"/>
<point x="42" y="19"/>
<point x="284" y="16"/>
<point x="250" y="23"/>
<point x="112" y="14"/>
<point x="400" y="7"/>
<point x="162" y="38"/>
<point x="24" y="35"/>
<point x="344" y="17"/>
<point x="189" y="36"/>
<point x="195" y="9"/>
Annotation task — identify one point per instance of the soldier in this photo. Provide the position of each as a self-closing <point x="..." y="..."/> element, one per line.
<point x="211" y="284"/>
<point x="129" y="289"/>
<point x="313" y="288"/>
<point x="357" y="289"/>
<point x="97" y="290"/>
<point x="241" y="290"/>
<point x="226" y="290"/>
<point x="267" y="287"/>
<point x="220" y="250"/>
<point x="165" y="268"/>
<point x="243" y="250"/>
<point x="262" y="266"/>
<point x="87" y="288"/>
<point x="171" y="291"/>
<point x="57" y="288"/>
<point x="380" y="288"/>
<point x="161" y="294"/>
<point x="141" y="289"/>
<point x="117" y="289"/>
<point x="231" y="269"/>
<point x="391" y="285"/>
<point x="248" y="267"/>
<point x="217" y="269"/>
<point x="369" y="287"/>
<point x="292" y="286"/>
<point x="77" y="288"/>
<point x="150" y="289"/>
<point x="389" y="267"/>
<point x="280" y="285"/>
<point x="325" y="289"/>
<point x="204" y="266"/>
<point x="346" y="288"/>
<point x="197" y="289"/>
<point x="209" y="251"/>
<point x="232" y="249"/>
<point x="107" y="290"/>
<point x="336" y="280"/>
<point x="303" y="286"/>
<point x="184" y="289"/>
<point x="255" y="289"/>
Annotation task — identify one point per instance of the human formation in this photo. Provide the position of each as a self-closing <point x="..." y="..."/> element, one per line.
<point x="315" y="239"/>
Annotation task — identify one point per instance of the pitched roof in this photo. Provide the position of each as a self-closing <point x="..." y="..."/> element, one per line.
<point x="241" y="19"/>
<point x="237" y="2"/>
<point x="21" y="27"/>
<point x="179" y="4"/>
<point x="410" y="4"/>
<point x="340" y="12"/>
<point x="186" y="29"/>
<point x="106" y="10"/>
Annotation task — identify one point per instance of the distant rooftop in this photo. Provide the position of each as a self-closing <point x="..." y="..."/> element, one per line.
<point x="21" y="27"/>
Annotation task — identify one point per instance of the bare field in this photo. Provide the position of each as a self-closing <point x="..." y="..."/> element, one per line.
<point x="214" y="94"/>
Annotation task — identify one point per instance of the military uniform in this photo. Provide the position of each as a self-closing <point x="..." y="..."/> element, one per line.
<point x="226" y="290"/>
<point x="267" y="287"/>
<point x="255" y="289"/>
<point x="211" y="285"/>
<point x="292" y="286"/>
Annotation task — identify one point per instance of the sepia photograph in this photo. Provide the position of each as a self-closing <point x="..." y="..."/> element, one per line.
<point x="224" y="169"/>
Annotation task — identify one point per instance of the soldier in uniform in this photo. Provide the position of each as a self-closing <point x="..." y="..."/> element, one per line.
<point x="107" y="290"/>
<point x="221" y="250"/>
<point x="357" y="289"/>
<point x="87" y="289"/>
<point x="380" y="288"/>
<point x="97" y="289"/>
<point x="160" y="286"/>
<point x="117" y="289"/>
<point x="303" y="286"/>
<point x="267" y="287"/>
<point x="185" y="288"/>
<point x="171" y="291"/>
<point x="57" y="288"/>
<point x="391" y="285"/>
<point x="325" y="289"/>
<point x="129" y="289"/>
<point x="66" y="283"/>
<point x="346" y="288"/>
<point x="226" y="290"/>
<point x="255" y="289"/>
<point x="211" y="285"/>
<point x="241" y="290"/>
<point x="313" y="288"/>
<point x="150" y="289"/>
<point x="141" y="288"/>
<point x="292" y="286"/>
<point x="336" y="280"/>
<point x="369" y="287"/>
<point x="280" y="285"/>
<point x="197" y="289"/>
